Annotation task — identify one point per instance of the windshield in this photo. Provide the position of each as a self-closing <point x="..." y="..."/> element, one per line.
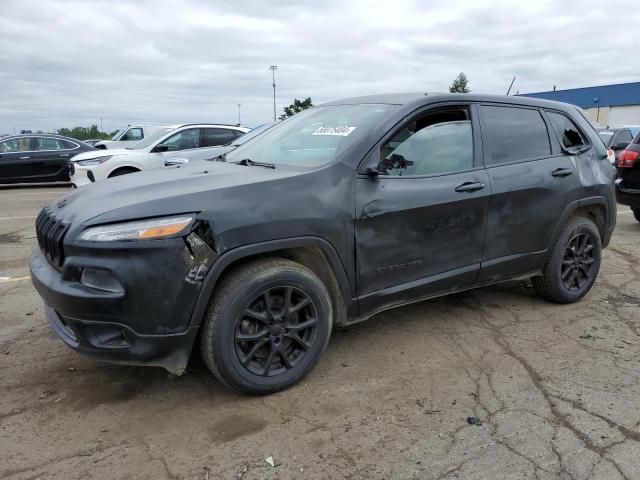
<point x="251" y="134"/>
<point x="313" y="137"/>
<point x="117" y="134"/>
<point x="151" y="139"/>
<point x="606" y="136"/>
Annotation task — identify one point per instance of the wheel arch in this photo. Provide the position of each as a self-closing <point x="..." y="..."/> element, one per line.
<point x="595" y="209"/>
<point x="313" y="252"/>
<point x="128" y="167"/>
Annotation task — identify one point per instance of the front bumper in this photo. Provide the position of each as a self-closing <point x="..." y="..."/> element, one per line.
<point x="80" y="175"/>
<point x="117" y="343"/>
<point x="144" y="318"/>
<point x="627" y="196"/>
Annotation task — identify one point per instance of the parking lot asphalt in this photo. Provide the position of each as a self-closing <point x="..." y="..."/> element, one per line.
<point x="557" y="389"/>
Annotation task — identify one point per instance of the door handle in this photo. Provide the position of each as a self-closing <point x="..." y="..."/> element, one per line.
<point x="64" y="154"/>
<point x="470" y="187"/>
<point x="562" y="172"/>
<point x="25" y="158"/>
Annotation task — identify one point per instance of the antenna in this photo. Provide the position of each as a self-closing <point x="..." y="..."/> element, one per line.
<point x="513" y="80"/>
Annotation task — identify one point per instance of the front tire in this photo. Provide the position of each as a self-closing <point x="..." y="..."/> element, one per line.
<point x="268" y="323"/>
<point x="636" y="213"/>
<point x="573" y="264"/>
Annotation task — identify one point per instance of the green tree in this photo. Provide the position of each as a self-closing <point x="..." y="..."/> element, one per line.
<point x="460" y="84"/>
<point x="84" y="133"/>
<point x="295" y="107"/>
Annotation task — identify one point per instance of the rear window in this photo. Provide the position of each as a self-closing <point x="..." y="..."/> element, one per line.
<point x="567" y="131"/>
<point x="515" y="134"/>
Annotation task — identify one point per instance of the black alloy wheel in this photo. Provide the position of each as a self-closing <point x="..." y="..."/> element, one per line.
<point x="572" y="264"/>
<point x="276" y="330"/>
<point x="578" y="259"/>
<point x="268" y="324"/>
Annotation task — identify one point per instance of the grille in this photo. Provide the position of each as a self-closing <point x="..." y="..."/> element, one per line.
<point x="50" y="232"/>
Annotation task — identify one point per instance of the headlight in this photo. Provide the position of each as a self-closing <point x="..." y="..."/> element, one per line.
<point x="138" y="230"/>
<point x="93" y="161"/>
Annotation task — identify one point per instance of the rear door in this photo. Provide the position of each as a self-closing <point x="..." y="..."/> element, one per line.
<point x="420" y="228"/>
<point x="15" y="159"/>
<point x="532" y="183"/>
<point x="51" y="158"/>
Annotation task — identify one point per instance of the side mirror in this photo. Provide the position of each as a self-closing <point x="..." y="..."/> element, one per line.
<point x="162" y="148"/>
<point x="620" y="146"/>
<point x="172" y="162"/>
<point x="392" y="162"/>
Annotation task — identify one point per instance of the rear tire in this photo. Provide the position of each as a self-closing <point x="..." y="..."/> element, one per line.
<point x="636" y="213"/>
<point x="573" y="263"/>
<point x="267" y="326"/>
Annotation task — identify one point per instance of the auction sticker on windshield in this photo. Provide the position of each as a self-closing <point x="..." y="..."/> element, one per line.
<point x="339" y="131"/>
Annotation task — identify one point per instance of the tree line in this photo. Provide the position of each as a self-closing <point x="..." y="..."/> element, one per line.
<point x="85" y="133"/>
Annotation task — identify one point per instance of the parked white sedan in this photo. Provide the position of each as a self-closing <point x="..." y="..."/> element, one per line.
<point x="186" y="142"/>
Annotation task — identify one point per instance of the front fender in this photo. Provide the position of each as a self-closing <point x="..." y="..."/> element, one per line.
<point x="239" y="253"/>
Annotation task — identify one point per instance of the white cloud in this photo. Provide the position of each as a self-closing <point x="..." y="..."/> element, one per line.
<point x="70" y="62"/>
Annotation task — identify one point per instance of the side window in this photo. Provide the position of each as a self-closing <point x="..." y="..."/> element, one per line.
<point x="183" y="140"/>
<point x="68" y="145"/>
<point x="48" y="143"/>
<point x="437" y="142"/>
<point x="133" y="135"/>
<point x="566" y="130"/>
<point x="212" y="137"/>
<point x="22" y="144"/>
<point x="514" y="134"/>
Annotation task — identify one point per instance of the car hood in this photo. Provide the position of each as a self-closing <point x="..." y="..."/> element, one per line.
<point x="163" y="191"/>
<point x="101" y="153"/>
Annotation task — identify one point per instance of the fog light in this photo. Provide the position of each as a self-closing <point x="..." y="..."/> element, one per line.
<point x="100" y="280"/>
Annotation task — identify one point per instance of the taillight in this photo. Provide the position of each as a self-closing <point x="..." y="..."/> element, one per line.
<point x="611" y="156"/>
<point x="627" y="159"/>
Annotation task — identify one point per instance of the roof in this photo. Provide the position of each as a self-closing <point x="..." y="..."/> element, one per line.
<point x="417" y="99"/>
<point x="589" y="97"/>
<point x="53" y="135"/>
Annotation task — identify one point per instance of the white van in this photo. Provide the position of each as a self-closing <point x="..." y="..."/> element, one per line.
<point x="126" y="137"/>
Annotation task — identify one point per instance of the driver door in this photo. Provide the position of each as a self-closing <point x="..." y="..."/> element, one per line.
<point x="420" y="228"/>
<point x="186" y="139"/>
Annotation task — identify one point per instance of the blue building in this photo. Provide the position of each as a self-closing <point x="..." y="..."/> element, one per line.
<point x="613" y="105"/>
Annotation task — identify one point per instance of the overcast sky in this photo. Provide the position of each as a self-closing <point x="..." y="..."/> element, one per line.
<point x="69" y="63"/>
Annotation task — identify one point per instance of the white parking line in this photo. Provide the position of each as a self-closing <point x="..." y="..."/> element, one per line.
<point x="62" y="191"/>
<point x="14" y="279"/>
<point x="626" y="212"/>
<point x="18" y="218"/>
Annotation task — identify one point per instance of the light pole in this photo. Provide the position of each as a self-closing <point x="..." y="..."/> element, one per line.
<point x="239" y="122"/>
<point x="273" y="69"/>
<point x="100" y="123"/>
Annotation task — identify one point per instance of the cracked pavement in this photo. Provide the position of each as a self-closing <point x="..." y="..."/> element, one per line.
<point x="557" y="389"/>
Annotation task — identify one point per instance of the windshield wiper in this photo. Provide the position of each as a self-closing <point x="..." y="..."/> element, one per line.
<point x="247" y="162"/>
<point x="220" y="158"/>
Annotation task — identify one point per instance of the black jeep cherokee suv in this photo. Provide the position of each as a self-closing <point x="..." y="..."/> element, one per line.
<point x="334" y="215"/>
